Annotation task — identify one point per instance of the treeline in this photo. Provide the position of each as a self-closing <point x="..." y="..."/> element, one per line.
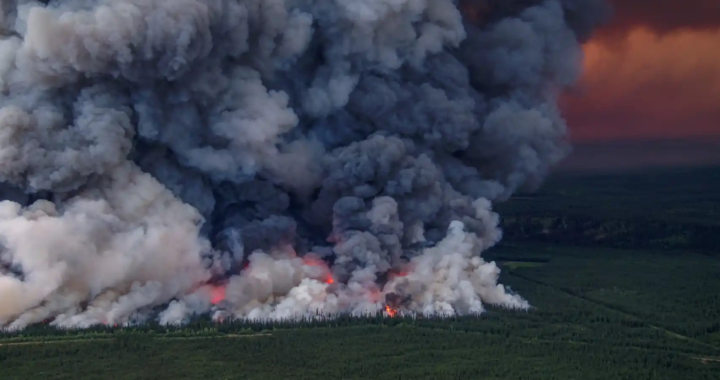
<point x="534" y="324"/>
<point x="402" y="351"/>
<point x="630" y="233"/>
<point x="204" y="325"/>
<point x="562" y="337"/>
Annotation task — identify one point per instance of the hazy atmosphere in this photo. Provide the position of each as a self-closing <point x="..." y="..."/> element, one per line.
<point x="360" y="189"/>
<point x="651" y="74"/>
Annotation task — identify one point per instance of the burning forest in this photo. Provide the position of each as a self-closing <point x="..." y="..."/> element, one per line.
<point x="270" y="159"/>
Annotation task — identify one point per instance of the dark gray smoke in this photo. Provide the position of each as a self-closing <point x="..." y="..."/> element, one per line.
<point x="285" y="157"/>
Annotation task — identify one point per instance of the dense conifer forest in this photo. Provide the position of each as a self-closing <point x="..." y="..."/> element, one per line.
<point x="675" y="209"/>
<point x="597" y="313"/>
<point x="620" y="287"/>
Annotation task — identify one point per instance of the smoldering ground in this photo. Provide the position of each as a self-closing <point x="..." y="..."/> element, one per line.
<point x="276" y="158"/>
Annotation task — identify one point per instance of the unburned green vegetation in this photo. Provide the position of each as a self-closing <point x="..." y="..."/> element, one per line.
<point x="675" y="209"/>
<point x="597" y="314"/>
<point x="650" y="310"/>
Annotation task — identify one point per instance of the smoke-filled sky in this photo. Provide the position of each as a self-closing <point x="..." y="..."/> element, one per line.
<point x="652" y="73"/>
<point x="271" y="159"/>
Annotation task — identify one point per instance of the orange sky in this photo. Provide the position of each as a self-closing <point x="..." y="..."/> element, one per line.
<point x="653" y="73"/>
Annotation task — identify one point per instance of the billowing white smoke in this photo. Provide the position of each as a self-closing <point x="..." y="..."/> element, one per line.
<point x="269" y="159"/>
<point x="125" y="244"/>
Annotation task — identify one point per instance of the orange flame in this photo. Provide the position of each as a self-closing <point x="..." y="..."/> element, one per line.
<point x="397" y="273"/>
<point x="315" y="262"/>
<point x="217" y="294"/>
<point x="390" y="311"/>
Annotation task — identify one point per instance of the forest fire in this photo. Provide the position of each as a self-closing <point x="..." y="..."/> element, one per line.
<point x="394" y="274"/>
<point x="217" y="294"/>
<point x="315" y="262"/>
<point x="184" y="196"/>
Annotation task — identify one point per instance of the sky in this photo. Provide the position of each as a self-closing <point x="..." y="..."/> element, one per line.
<point x="652" y="73"/>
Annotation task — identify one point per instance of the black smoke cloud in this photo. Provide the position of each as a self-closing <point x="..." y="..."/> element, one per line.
<point x="303" y="156"/>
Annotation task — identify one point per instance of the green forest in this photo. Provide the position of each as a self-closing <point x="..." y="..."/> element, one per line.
<point x="666" y="209"/>
<point x="597" y="314"/>
<point x="621" y="272"/>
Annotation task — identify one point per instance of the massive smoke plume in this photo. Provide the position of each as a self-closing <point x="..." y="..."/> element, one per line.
<point x="270" y="158"/>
